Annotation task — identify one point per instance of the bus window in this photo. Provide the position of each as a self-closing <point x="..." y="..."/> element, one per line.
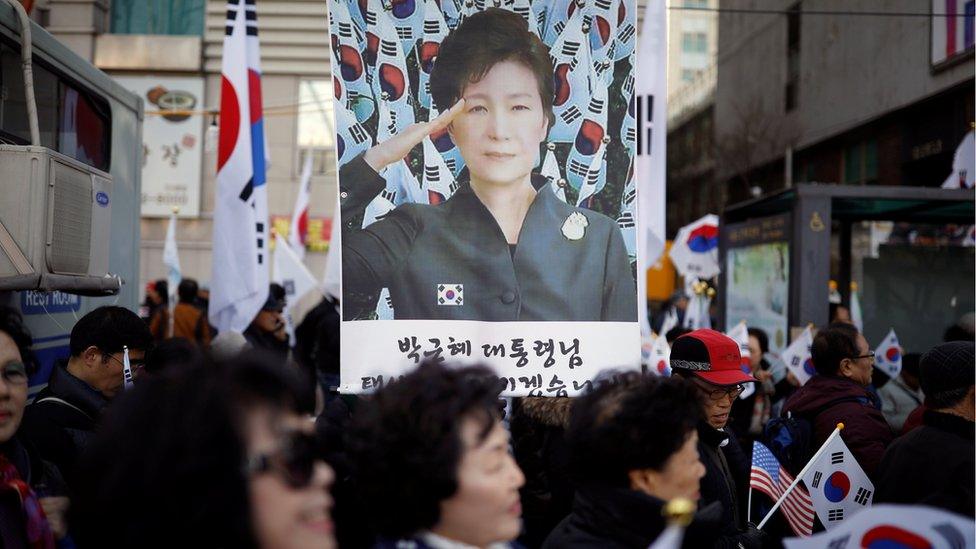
<point x="71" y="120"/>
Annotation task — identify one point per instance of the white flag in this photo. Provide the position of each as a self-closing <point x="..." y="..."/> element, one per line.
<point x="963" y="174"/>
<point x="331" y="280"/>
<point x="895" y="526"/>
<point x="294" y="277"/>
<point x="171" y="258"/>
<point x="239" y="285"/>
<point x="550" y="170"/>
<point x="298" y="229"/>
<point x="660" y="360"/>
<point x="838" y="486"/>
<point x="797" y="356"/>
<point x="571" y="71"/>
<point x="856" y="317"/>
<point x="888" y="355"/>
<point x="740" y="334"/>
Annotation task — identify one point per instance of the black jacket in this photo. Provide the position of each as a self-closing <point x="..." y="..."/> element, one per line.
<point x="553" y="274"/>
<point x="611" y="518"/>
<point x="931" y="465"/>
<point x="61" y="421"/>
<point x="726" y="482"/>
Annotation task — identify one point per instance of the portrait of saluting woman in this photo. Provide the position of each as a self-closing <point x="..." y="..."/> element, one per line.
<point x="503" y="247"/>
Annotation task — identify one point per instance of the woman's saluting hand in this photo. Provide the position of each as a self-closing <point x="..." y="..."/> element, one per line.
<point x="397" y="147"/>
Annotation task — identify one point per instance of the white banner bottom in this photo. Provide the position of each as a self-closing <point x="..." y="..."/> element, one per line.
<point x="531" y="358"/>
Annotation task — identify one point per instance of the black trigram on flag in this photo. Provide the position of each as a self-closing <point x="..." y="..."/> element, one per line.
<point x="578" y="168"/>
<point x="626" y="33"/>
<point x="816" y="479"/>
<point x="645" y="123"/>
<point x="358" y="133"/>
<point x="834" y="515"/>
<point x="345" y="29"/>
<point x="836" y="457"/>
<point x="839" y="543"/>
<point x="626" y="220"/>
<point x="862" y="496"/>
<point x="405" y="33"/>
<point x="571" y="114"/>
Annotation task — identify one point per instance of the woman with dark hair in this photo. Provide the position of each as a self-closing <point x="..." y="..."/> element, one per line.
<point x="503" y="247"/>
<point x="28" y="519"/>
<point x="206" y="457"/>
<point x="432" y="461"/>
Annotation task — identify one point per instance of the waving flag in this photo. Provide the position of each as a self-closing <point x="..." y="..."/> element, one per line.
<point x="603" y="40"/>
<point x="660" y="361"/>
<point x="294" y="277"/>
<point x="695" y="248"/>
<point x="332" y="277"/>
<point x="391" y="83"/>
<point x="596" y="175"/>
<point x="797" y="356"/>
<point x="740" y="334"/>
<point x="888" y="355"/>
<point x="558" y="15"/>
<point x="838" y="486"/>
<point x="571" y="73"/>
<point x="298" y="229"/>
<point x="352" y="139"/>
<point x="435" y="30"/>
<point x="171" y="258"/>
<point x="895" y="527"/>
<point x="550" y="170"/>
<point x="770" y="478"/>
<point x="626" y="30"/>
<point x="628" y="127"/>
<point x="963" y="174"/>
<point x="627" y="220"/>
<point x="452" y="11"/>
<point x="438" y="179"/>
<point x="349" y="62"/>
<point x="592" y="135"/>
<point x="407" y="17"/>
<point x="240" y="265"/>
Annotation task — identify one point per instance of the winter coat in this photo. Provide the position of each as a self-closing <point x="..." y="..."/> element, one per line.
<point x="619" y="518"/>
<point x="866" y="433"/>
<point x="931" y="465"/>
<point x="61" y="421"/>
<point x="726" y="482"/>
<point x="191" y="322"/>
<point x="538" y="427"/>
<point x="897" y="401"/>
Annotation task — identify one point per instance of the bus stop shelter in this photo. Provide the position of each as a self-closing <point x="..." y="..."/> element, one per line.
<point x="909" y="248"/>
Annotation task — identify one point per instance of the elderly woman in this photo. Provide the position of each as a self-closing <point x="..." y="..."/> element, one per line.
<point x="208" y="457"/>
<point x="503" y="247"/>
<point x="433" y="464"/>
<point x="28" y="520"/>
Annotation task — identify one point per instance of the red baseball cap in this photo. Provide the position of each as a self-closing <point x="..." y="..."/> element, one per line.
<point x="712" y="356"/>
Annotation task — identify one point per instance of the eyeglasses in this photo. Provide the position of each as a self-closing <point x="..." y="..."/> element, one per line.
<point x="136" y="364"/>
<point x="869" y="354"/>
<point x="14" y="373"/>
<point x="721" y="392"/>
<point x="294" y="460"/>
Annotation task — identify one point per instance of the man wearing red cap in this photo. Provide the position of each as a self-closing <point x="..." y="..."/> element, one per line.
<point x="711" y="361"/>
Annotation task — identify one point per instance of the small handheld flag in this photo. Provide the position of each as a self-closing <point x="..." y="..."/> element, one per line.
<point x="888" y="355"/>
<point x="126" y="368"/>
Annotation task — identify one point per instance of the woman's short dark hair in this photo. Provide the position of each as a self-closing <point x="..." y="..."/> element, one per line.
<point x="832" y="345"/>
<point x="761" y="337"/>
<point x="634" y="423"/>
<point x="12" y="324"/>
<point x="406" y="446"/>
<point x="166" y="465"/>
<point x="479" y="43"/>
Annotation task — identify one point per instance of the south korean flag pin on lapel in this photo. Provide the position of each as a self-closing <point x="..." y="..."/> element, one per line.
<point x="450" y="294"/>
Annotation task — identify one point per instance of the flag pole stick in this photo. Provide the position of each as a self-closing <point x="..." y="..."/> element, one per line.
<point x="749" y="505"/>
<point x="796" y="480"/>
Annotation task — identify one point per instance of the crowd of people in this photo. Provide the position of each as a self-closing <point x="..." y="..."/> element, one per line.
<point x="239" y="445"/>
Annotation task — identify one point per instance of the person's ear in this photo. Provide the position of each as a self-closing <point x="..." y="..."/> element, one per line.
<point x="845" y="367"/>
<point x="92" y="356"/>
<point x="643" y="480"/>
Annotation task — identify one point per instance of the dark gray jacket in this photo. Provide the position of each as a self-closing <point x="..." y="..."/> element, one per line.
<point x="418" y="248"/>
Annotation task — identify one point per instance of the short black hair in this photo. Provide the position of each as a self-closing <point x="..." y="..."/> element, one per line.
<point x="161" y="287"/>
<point x="167" y="463"/>
<point x="634" y="423"/>
<point x="676" y="332"/>
<point x="405" y="442"/>
<point x="761" y="337"/>
<point x="109" y="329"/>
<point x="188" y="290"/>
<point x="832" y="345"/>
<point x="12" y="324"/>
<point x="479" y="43"/>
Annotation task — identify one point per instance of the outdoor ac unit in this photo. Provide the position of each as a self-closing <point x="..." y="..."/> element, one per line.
<point x="55" y="216"/>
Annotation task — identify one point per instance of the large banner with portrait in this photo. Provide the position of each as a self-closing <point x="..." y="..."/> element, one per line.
<point x="488" y="204"/>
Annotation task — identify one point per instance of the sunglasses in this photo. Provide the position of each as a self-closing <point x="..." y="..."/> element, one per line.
<point x="294" y="460"/>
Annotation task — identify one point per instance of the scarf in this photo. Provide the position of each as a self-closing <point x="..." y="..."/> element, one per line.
<point x="39" y="535"/>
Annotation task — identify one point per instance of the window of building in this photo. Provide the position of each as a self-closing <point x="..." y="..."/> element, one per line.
<point x="861" y="163"/>
<point x="696" y="3"/>
<point x="316" y="125"/>
<point x="178" y="17"/>
<point x="792" y="56"/>
<point x="694" y="42"/>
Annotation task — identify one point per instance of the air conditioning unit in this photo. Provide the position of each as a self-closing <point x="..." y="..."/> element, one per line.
<point x="55" y="218"/>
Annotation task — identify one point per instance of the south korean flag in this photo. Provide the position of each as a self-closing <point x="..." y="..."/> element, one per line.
<point x="838" y="486"/>
<point x="450" y="294"/>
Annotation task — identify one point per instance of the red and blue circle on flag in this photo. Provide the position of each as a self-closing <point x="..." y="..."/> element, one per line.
<point x="403" y="8"/>
<point x="808" y="366"/>
<point x="392" y="81"/>
<point x="703" y="239"/>
<point x="893" y="537"/>
<point x="837" y="487"/>
<point x="561" y="86"/>
<point x="893" y="354"/>
<point x="589" y="138"/>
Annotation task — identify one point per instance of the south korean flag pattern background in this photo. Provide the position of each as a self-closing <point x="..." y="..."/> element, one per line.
<point x="888" y="355"/>
<point x="838" y="486"/>
<point x="895" y="527"/>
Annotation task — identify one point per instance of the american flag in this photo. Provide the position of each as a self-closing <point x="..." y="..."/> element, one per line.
<point x="770" y="478"/>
